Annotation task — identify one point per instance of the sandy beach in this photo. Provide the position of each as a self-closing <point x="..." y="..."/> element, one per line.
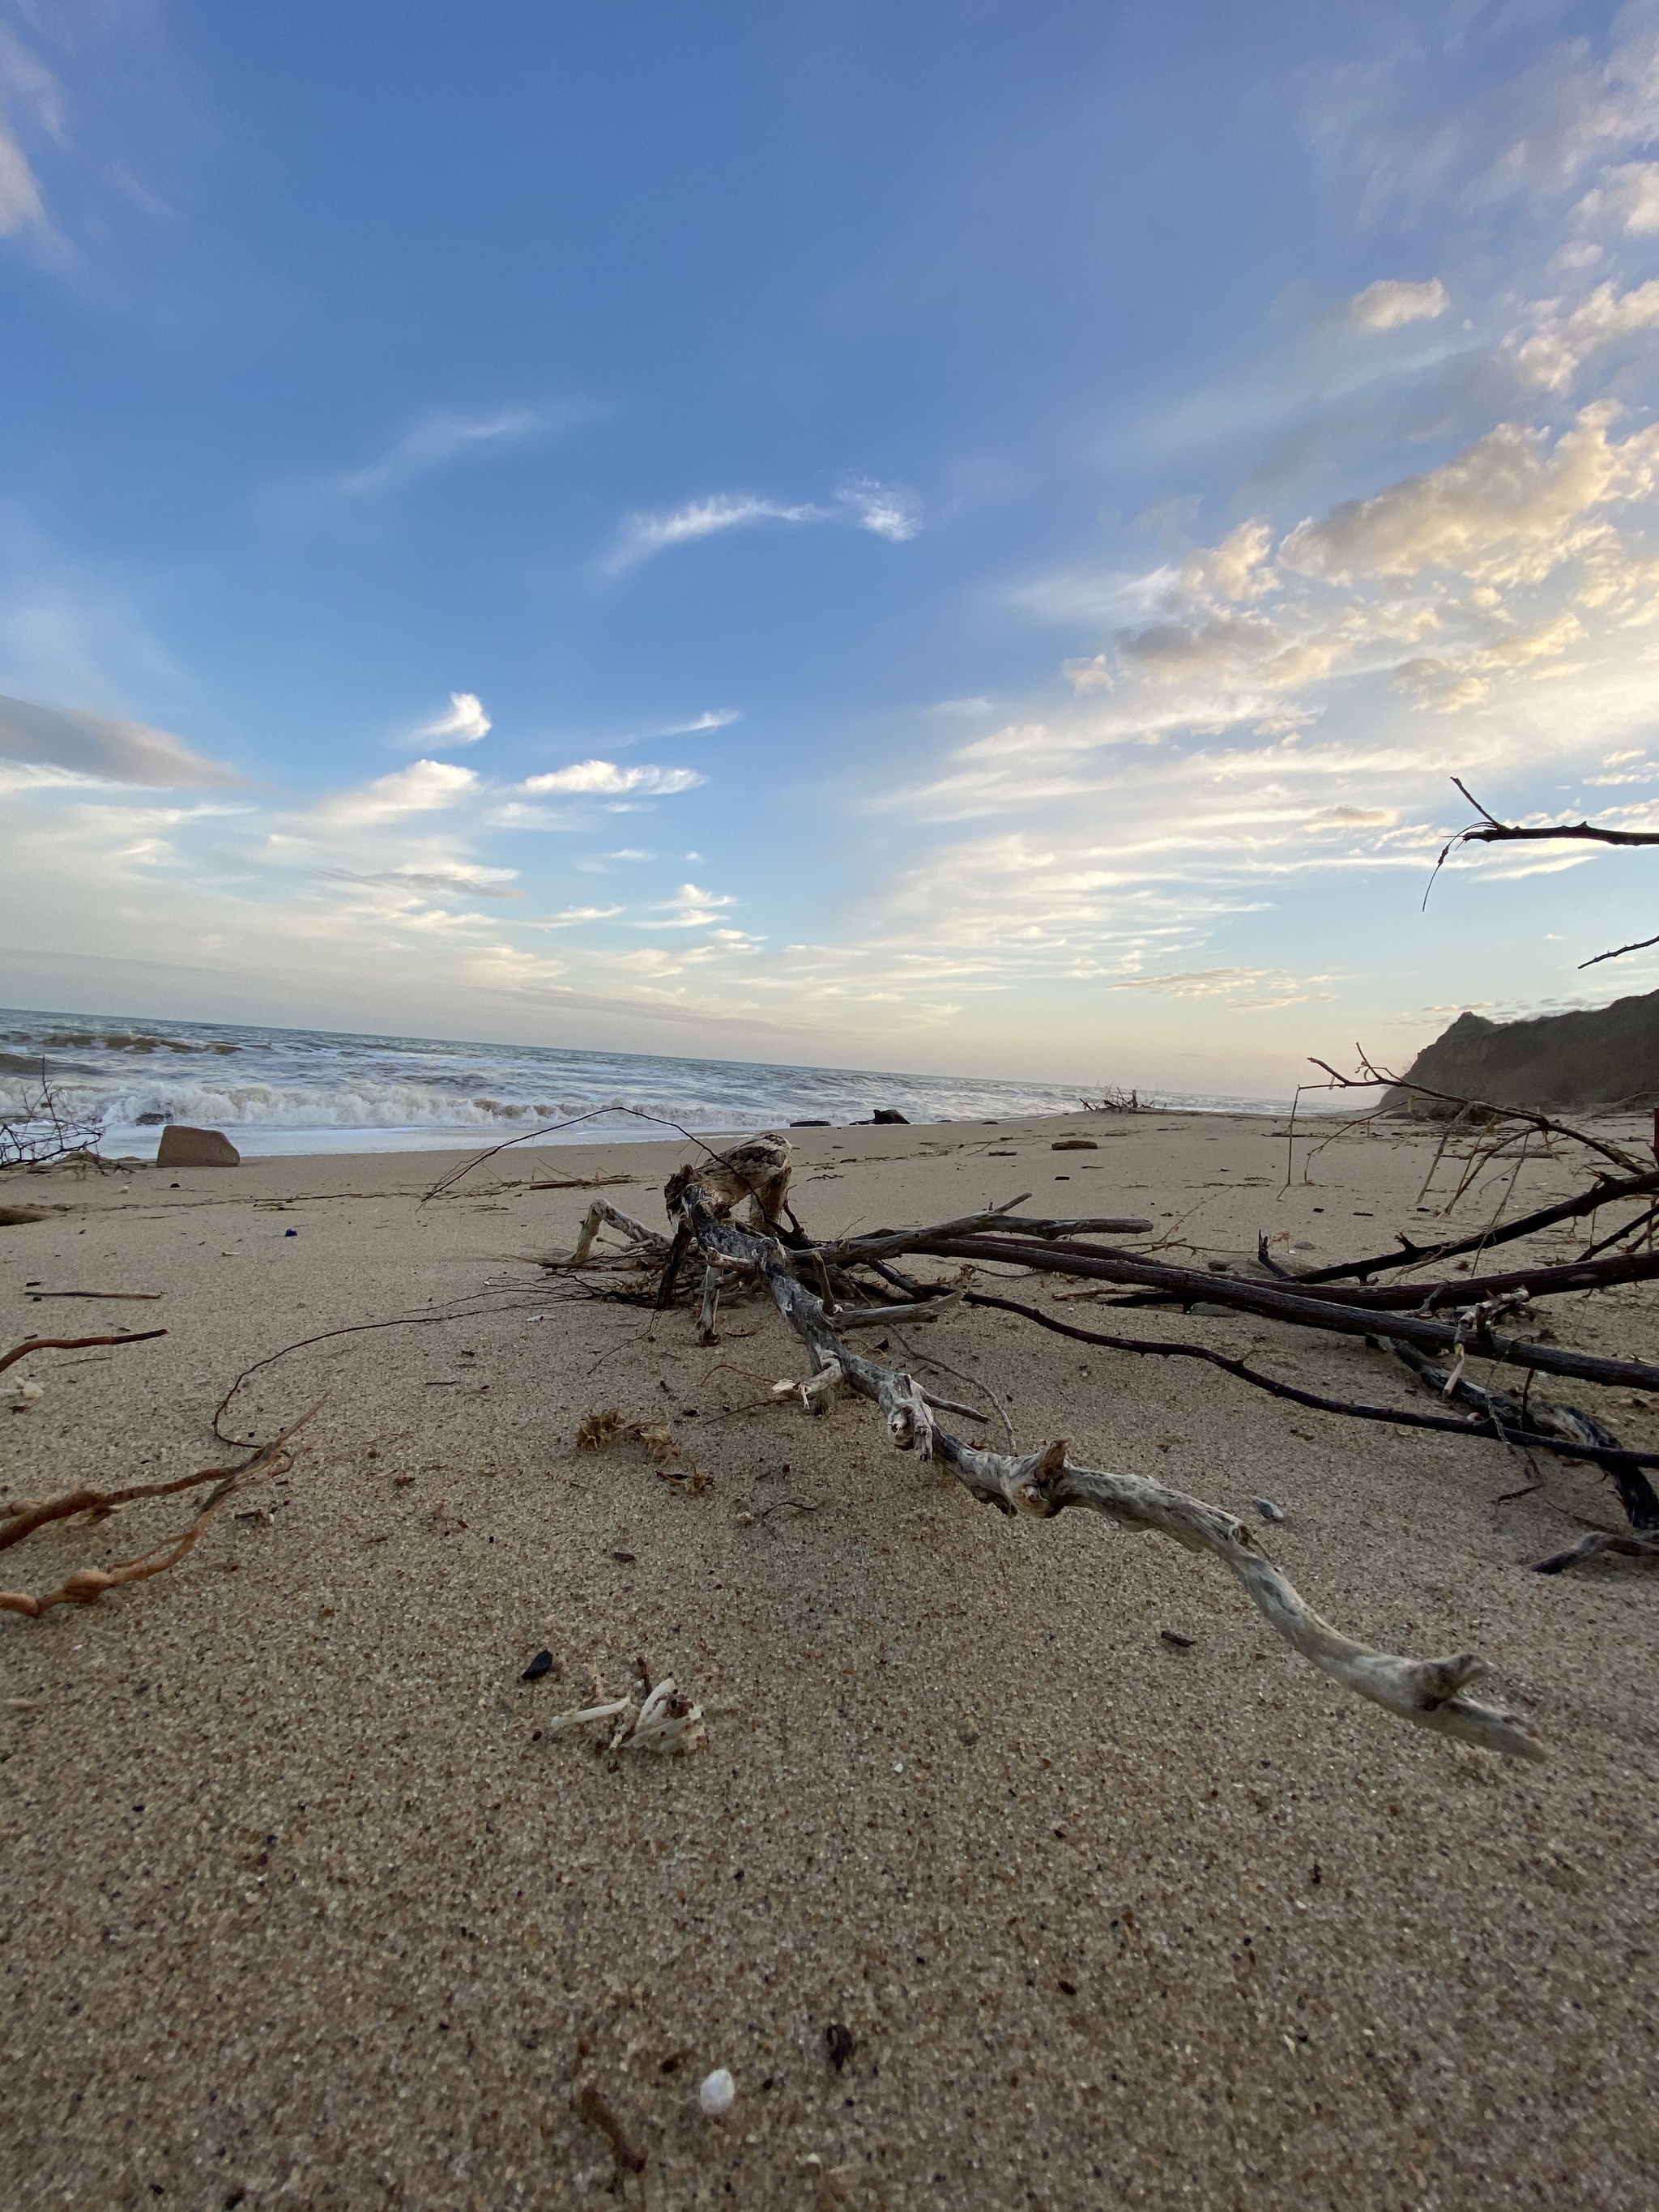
<point x="306" y="1906"/>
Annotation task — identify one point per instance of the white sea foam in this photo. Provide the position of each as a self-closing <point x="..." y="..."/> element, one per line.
<point x="309" y="1090"/>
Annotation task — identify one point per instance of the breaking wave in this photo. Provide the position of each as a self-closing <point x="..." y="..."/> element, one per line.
<point x="310" y="1090"/>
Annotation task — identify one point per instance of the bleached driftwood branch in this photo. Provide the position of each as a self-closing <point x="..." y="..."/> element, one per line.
<point x="600" y="1212"/>
<point x="1428" y="1693"/>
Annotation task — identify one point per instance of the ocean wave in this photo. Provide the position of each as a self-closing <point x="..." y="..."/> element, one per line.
<point x="313" y="1091"/>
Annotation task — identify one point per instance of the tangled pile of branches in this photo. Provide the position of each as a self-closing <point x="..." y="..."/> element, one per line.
<point x="46" y="1127"/>
<point x="1440" y="1326"/>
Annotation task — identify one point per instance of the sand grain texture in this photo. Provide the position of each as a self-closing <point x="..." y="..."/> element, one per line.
<point x="302" y="1910"/>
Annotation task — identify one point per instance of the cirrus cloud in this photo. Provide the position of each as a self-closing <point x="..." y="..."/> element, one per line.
<point x="603" y="779"/>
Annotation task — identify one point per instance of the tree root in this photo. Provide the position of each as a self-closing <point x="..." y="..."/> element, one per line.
<point x="87" y="1584"/>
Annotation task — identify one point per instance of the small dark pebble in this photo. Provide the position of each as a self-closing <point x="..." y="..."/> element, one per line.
<point x="624" y="1558"/>
<point x="838" y="2042"/>
<point x="1180" y="1643"/>
<point x="687" y="1412"/>
<point x="290" y="1232"/>
<point x="540" y="1665"/>
<point x="1068" y="1989"/>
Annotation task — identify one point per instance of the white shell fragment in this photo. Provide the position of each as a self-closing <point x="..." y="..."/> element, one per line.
<point x="1267" y="1509"/>
<point x="25" y="1397"/>
<point x="717" y="2093"/>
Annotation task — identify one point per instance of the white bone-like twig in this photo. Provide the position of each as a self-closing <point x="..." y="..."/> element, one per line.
<point x="666" y="1721"/>
<point x="1428" y="1693"/>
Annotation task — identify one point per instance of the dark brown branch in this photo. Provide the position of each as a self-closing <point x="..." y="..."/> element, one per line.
<point x="1486" y="1429"/>
<point x="1618" y="954"/>
<point x="1536" y="1282"/>
<point x="1605" y="1193"/>
<point x="1374" y="1077"/>
<point x="1494" y="832"/>
<point x="1490" y="831"/>
<point x="1193" y="1287"/>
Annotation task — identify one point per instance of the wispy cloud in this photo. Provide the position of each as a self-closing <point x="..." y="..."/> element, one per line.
<point x="425" y="786"/>
<point x="437" y="875"/>
<point x="717" y="718"/>
<point x="463" y="724"/>
<point x="646" y="533"/>
<point x="603" y="779"/>
<point x="690" y="908"/>
<point x="600" y="864"/>
<point x="432" y="441"/>
<point x="105" y="747"/>
<point x="886" y="512"/>
<point x="28" y="88"/>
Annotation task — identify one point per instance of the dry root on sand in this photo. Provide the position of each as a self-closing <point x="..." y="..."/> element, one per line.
<point x="22" y="1516"/>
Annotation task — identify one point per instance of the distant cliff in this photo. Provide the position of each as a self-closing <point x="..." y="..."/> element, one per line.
<point x="1574" y="1061"/>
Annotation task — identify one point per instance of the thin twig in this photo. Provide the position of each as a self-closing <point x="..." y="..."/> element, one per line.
<point x="75" y="1344"/>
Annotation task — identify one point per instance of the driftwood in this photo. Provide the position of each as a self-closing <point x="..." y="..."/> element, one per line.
<point x="1495" y="1425"/>
<point x="1372" y="1077"/>
<point x="1593" y="1545"/>
<point x="87" y="1584"/>
<point x="1429" y="1694"/>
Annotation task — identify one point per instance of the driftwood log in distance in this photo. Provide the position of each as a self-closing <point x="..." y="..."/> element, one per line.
<point x="1430" y="1693"/>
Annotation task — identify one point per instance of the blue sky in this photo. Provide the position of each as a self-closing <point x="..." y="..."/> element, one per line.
<point x="960" y="537"/>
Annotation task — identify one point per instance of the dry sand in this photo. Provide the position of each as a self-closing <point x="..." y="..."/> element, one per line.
<point x="304" y="1909"/>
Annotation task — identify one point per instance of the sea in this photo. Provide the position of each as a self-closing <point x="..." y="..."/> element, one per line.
<point x="276" y="1091"/>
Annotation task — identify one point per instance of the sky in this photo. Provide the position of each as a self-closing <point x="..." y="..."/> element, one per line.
<point x="948" y="536"/>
